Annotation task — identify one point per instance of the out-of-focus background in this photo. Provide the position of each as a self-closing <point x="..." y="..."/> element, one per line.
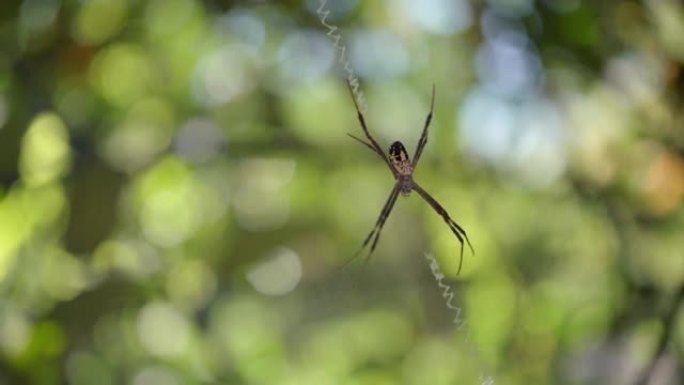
<point x="178" y="193"/>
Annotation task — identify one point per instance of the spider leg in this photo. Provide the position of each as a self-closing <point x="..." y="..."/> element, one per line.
<point x="455" y="228"/>
<point x="371" y="148"/>
<point x="384" y="214"/>
<point x="373" y="143"/>
<point x="365" y="144"/>
<point x="424" y="136"/>
<point x="381" y="222"/>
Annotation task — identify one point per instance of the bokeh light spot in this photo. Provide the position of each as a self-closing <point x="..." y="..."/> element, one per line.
<point x="145" y="132"/>
<point x="99" y="20"/>
<point x="36" y="20"/>
<point x="64" y="276"/>
<point x="170" y="202"/>
<point x="507" y="65"/>
<point x="438" y="16"/>
<point x="85" y="368"/>
<point x="135" y="259"/>
<point x="247" y="25"/>
<point x="155" y="376"/>
<point x="379" y="54"/>
<point x="123" y="74"/>
<point x="162" y="329"/>
<point x="166" y="17"/>
<point x="191" y="284"/>
<point x="279" y="274"/>
<point x="305" y="55"/>
<point x="14" y="229"/>
<point x="262" y="201"/>
<point x="525" y="139"/>
<point x="14" y="331"/>
<point x="45" y="150"/>
<point x="220" y="77"/>
<point x="250" y="331"/>
<point x="199" y="140"/>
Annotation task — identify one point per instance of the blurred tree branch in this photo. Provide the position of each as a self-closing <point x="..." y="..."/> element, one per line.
<point x="669" y="323"/>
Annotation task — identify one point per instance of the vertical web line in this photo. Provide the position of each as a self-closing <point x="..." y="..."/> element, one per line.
<point x="333" y="31"/>
<point x="458" y="320"/>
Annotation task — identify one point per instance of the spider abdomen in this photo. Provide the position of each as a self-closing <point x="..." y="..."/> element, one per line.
<point x="405" y="184"/>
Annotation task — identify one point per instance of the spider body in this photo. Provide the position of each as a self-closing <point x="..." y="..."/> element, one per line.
<point x="402" y="165"/>
<point x="402" y="168"/>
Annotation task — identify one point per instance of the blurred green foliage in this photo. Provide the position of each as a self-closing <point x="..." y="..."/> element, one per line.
<point x="177" y="192"/>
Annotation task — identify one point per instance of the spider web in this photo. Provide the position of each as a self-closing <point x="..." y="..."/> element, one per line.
<point x="458" y="320"/>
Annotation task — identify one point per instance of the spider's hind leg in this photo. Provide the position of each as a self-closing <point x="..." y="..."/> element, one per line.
<point x="375" y="232"/>
<point x="453" y="226"/>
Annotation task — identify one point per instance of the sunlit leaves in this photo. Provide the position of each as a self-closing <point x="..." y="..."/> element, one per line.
<point x="46" y="154"/>
<point x="124" y="73"/>
<point x="169" y="203"/>
<point x="99" y="20"/>
<point x="162" y="329"/>
<point x="146" y="131"/>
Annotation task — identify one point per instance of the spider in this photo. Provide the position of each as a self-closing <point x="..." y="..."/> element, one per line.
<point x="402" y="168"/>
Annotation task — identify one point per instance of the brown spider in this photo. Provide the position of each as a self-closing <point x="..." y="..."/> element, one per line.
<point x="402" y="168"/>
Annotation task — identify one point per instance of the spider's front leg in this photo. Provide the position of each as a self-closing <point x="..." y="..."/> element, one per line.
<point x="424" y="136"/>
<point x="380" y="154"/>
<point x="373" y="145"/>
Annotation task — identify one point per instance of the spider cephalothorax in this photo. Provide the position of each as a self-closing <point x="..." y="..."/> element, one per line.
<point x="402" y="168"/>
<point x="400" y="159"/>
